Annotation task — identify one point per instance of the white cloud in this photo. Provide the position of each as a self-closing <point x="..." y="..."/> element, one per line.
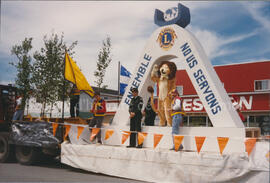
<point x="255" y="10"/>
<point x="214" y="44"/>
<point x="89" y="22"/>
<point x="128" y="23"/>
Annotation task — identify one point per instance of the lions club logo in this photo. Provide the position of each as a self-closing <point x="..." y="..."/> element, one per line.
<point x="166" y="38"/>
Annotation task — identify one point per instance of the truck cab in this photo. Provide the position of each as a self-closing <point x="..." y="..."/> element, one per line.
<point x="26" y="141"/>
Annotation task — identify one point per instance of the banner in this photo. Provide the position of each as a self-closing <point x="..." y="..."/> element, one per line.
<point x="199" y="143"/>
<point x="80" y="130"/>
<point x="250" y="143"/>
<point x="67" y="127"/>
<point x="108" y="134"/>
<point x="222" y="142"/>
<point x="141" y="137"/>
<point x="177" y="141"/>
<point x="54" y="125"/>
<point x="94" y="133"/>
<point x="125" y="135"/>
<point x="157" y="138"/>
<point x="199" y="140"/>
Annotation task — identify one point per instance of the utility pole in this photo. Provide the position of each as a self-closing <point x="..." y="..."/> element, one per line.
<point x="0" y="18"/>
<point x="118" y="83"/>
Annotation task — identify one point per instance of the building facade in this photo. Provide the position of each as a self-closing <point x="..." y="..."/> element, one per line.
<point x="248" y="83"/>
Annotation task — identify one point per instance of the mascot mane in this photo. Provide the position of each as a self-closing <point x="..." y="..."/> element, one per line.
<point x="172" y="67"/>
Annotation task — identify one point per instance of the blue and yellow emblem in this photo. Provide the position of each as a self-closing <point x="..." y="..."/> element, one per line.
<point x="166" y="38"/>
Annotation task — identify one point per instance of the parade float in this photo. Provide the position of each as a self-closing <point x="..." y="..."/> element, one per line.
<point x="221" y="153"/>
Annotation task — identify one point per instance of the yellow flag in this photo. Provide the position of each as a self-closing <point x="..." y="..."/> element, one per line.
<point x="74" y="75"/>
<point x="94" y="133"/>
<point x="125" y="135"/>
<point x="177" y="141"/>
<point x="222" y="142"/>
<point x="199" y="143"/>
<point x="141" y="137"/>
<point x="157" y="138"/>
<point x="250" y="143"/>
<point x="108" y="133"/>
<point x="54" y="125"/>
<point x="80" y="130"/>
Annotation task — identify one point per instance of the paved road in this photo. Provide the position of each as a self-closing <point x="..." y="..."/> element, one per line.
<point x="53" y="171"/>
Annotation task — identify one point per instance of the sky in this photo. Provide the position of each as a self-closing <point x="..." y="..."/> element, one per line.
<point x="229" y="31"/>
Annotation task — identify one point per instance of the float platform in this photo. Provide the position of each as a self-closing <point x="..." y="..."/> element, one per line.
<point x="163" y="165"/>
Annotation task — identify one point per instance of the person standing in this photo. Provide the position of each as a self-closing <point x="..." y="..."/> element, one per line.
<point x="98" y="110"/>
<point x="74" y="102"/>
<point x="176" y="114"/>
<point x="135" y="112"/>
<point x="5" y="104"/>
<point x="19" y="110"/>
<point x="149" y="111"/>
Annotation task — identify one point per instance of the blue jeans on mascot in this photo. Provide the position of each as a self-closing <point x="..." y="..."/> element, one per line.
<point x="176" y="122"/>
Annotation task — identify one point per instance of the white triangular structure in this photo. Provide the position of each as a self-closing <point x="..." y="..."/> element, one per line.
<point x="186" y="50"/>
<point x="221" y="115"/>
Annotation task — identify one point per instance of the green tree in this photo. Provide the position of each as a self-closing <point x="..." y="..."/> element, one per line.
<point x="104" y="59"/>
<point x="23" y="66"/>
<point x="48" y="70"/>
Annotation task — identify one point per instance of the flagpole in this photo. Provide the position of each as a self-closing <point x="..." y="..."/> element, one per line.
<point x="63" y="102"/>
<point x="118" y="82"/>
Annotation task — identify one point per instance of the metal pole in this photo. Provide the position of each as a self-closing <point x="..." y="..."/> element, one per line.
<point x="0" y="18"/>
<point x="63" y="105"/>
<point x="118" y="83"/>
<point x="64" y="91"/>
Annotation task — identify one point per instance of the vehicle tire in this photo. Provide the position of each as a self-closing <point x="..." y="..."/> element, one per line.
<point x="26" y="155"/>
<point x="6" y="150"/>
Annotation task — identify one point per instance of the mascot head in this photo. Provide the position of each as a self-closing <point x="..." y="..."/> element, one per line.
<point x="167" y="69"/>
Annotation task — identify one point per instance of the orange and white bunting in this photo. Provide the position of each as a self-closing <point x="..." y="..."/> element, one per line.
<point x="67" y="127"/>
<point x="177" y="141"/>
<point x="250" y="143"/>
<point x="125" y="135"/>
<point x="108" y="133"/>
<point x="199" y="142"/>
<point x="80" y="130"/>
<point x="54" y="125"/>
<point x="222" y="142"/>
<point x="94" y="133"/>
<point x="157" y="138"/>
<point x="141" y="137"/>
<point x="268" y="156"/>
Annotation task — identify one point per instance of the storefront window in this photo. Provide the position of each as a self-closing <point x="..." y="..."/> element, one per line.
<point x="264" y="124"/>
<point x="185" y="121"/>
<point x="262" y="85"/>
<point x="252" y="122"/>
<point x="180" y="90"/>
<point x="260" y="121"/>
<point x="197" y="121"/>
<point x="209" y="123"/>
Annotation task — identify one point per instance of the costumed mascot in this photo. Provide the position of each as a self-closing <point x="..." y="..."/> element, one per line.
<point x="164" y="76"/>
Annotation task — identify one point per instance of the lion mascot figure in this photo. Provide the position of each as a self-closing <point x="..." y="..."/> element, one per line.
<point x="164" y="76"/>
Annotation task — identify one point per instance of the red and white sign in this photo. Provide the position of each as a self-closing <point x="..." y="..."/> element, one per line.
<point x="246" y="102"/>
